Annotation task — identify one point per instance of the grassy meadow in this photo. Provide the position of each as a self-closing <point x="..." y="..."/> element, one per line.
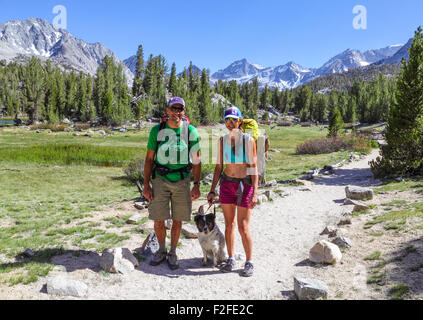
<point x="51" y="183"/>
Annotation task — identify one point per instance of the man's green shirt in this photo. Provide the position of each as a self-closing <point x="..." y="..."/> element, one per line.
<point x="173" y="151"/>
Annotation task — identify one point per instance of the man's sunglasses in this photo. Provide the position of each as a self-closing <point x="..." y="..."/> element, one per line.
<point x="177" y="109"/>
<point x="233" y="120"/>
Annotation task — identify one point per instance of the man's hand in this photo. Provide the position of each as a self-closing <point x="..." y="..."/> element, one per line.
<point x="195" y="192"/>
<point x="148" y="192"/>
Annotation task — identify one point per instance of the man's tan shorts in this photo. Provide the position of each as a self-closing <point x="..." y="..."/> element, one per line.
<point x="178" y="194"/>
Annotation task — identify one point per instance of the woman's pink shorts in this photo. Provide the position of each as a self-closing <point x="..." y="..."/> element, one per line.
<point x="235" y="193"/>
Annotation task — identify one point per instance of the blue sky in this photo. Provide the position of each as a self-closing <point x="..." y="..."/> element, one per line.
<point x="215" y="33"/>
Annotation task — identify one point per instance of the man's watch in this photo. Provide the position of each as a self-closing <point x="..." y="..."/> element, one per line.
<point x="197" y="183"/>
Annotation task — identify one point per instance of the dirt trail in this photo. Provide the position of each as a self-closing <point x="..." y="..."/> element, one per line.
<point x="283" y="232"/>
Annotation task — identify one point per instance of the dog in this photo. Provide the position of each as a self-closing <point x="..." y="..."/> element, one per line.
<point x="211" y="239"/>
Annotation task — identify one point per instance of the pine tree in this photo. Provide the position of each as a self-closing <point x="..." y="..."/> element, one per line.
<point x="33" y="83"/>
<point x="172" y="80"/>
<point x="204" y="101"/>
<point x="336" y="124"/>
<point x="403" y="154"/>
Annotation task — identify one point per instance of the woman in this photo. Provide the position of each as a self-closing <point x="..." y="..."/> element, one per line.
<point x="239" y="186"/>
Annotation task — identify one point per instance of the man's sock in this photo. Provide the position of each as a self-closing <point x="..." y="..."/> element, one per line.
<point x="162" y="247"/>
<point x="172" y="249"/>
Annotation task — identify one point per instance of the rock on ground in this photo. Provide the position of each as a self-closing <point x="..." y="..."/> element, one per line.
<point x="310" y="289"/>
<point x="62" y="286"/>
<point x="358" y="193"/>
<point x="325" y="252"/>
<point x="119" y="260"/>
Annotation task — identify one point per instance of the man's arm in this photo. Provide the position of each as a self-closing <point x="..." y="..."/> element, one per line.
<point x="148" y="169"/>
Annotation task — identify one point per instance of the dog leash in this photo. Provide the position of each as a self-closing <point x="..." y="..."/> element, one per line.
<point x="204" y="213"/>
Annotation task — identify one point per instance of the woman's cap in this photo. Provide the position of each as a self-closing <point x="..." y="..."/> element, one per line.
<point x="233" y="112"/>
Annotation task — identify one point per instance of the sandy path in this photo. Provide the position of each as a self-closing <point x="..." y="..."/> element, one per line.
<point x="283" y="232"/>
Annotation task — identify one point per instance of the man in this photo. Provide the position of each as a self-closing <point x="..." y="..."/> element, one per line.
<point x="170" y="147"/>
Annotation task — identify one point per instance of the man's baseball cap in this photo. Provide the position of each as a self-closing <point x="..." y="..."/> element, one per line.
<point x="233" y="112"/>
<point x="176" y="100"/>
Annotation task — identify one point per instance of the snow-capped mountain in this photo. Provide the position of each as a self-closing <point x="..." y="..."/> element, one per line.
<point x="292" y="75"/>
<point x="399" y="55"/>
<point x="37" y="37"/>
<point x="240" y="70"/>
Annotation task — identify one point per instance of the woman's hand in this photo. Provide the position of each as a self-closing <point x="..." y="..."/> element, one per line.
<point x="210" y="198"/>
<point x="253" y="200"/>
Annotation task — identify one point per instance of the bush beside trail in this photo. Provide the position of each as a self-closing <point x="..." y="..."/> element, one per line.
<point x="358" y="143"/>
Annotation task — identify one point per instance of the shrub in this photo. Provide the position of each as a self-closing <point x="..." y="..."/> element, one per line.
<point x="52" y="127"/>
<point x="328" y="145"/>
<point x="135" y="170"/>
<point x="82" y="126"/>
<point x="284" y="123"/>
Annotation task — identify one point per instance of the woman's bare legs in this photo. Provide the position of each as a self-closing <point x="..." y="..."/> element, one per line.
<point x="243" y="218"/>
<point x="229" y="211"/>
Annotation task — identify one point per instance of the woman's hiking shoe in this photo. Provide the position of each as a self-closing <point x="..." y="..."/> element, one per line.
<point x="172" y="261"/>
<point x="228" y="266"/>
<point x="158" y="258"/>
<point x="248" y="270"/>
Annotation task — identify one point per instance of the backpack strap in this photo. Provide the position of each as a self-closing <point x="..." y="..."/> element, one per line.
<point x="185" y="136"/>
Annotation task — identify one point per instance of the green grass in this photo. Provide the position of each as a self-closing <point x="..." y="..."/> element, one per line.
<point x="373" y="256"/>
<point x="414" y="184"/>
<point x="396" y="219"/>
<point x="399" y="291"/>
<point x="377" y="278"/>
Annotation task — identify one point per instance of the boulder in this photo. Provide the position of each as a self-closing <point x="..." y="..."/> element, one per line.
<point x="271" y="195"/>
<point x="134" y="219"/>
<point x="189" y="231"/>
<point x="303" y="188"/>
<point x="261" y="199"/>
<point x="139" y="205"/>
<point x="358" y="193"/>
<point x="271" y="183"/>
<point x="63" y="286"/>
<point x="325" y="252"/>
<point x="29" y="253"/>
<point x="119" y="260"/>
<point x="147" y="227"/>
<point x="330" y="230"/>
<point x="310" y="289"/>
<point x="343" y="242"/>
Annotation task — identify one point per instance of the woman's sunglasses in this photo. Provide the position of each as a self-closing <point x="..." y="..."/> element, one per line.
<point x="233" y="120"/>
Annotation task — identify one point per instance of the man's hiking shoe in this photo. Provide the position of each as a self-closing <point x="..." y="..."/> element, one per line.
<point x="248" y="270"/>
<point x="228" y="266"/>
<point x="172" y="261"/>
<point x="158" y="258"/>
